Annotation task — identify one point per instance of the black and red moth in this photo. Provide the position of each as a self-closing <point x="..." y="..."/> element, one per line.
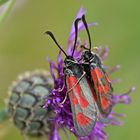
<point x="98" y="77"/>
<point x="88" y="86"/>
<point x="83" y="105"/>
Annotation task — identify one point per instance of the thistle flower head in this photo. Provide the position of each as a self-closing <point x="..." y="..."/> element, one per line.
<point x="25" y="100"/>
<point x="63" y="114"/>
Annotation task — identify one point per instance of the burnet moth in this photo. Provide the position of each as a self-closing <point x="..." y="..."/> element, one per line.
<point x="83" y="105"/>
<point x="98" y="77"/>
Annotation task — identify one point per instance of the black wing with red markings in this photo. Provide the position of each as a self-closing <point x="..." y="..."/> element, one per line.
<point x="101" y="84"/>
<point x="84" y="108"/>
<point x="103" y="90"/>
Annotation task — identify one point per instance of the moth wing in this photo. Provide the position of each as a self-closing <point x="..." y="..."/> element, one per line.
<point x="103" y="89"/>
<point x="84" y="108"/>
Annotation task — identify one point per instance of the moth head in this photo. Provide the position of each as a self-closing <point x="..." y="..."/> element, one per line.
<point x="69" y="60"/>
<point x="87" y="56"/>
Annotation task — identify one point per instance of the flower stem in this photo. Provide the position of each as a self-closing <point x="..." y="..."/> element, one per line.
<point x="7" y="9"/>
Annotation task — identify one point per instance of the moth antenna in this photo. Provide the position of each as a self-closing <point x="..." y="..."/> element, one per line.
<point x="53" y="38"/>
<point x="86" y="26"/>
<point x="76" y="33"/>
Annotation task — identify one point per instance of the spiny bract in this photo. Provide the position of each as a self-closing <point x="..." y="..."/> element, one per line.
<point x="25" y="102"/>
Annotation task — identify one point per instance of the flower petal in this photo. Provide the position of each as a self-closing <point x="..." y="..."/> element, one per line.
<point x="54" y="133"/>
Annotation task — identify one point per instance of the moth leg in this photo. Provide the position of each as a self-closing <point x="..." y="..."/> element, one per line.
<point x="62" y="87"/>
<point x="62" y="90"/>
<point x="64" y="99"/>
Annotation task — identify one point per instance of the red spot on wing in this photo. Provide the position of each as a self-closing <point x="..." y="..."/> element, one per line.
<point x="77" y="91"/>
<point x="82" y="119"/>
<point x="75" y="101"/>
<point x="84" y="103"/>
<point x="96" y="74"/>
<point x="105" y="103"/>
<point x="105" y="89"/>
<point x="68" y="84"/>
<point x="100" y="89"/>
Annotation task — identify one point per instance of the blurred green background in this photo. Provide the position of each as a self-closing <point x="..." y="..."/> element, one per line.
<point x="23" y="47"/>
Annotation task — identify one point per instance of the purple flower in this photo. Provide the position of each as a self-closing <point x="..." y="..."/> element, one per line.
<point x="63" y="115"/>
